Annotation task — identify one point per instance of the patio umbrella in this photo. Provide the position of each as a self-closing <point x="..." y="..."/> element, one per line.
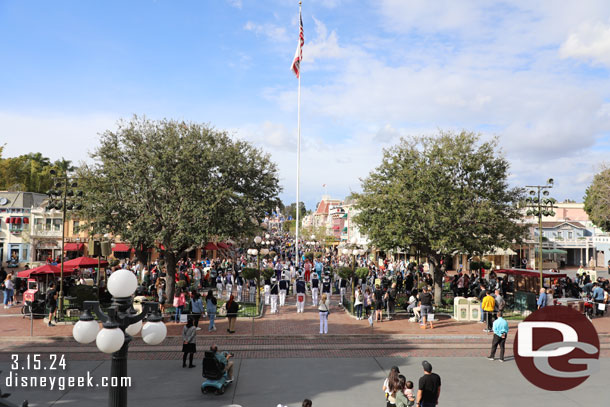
<point x="45" y="269"/>
<point x="84" y="262"/>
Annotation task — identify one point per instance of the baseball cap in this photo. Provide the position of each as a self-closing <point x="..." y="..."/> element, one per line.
<point x="427" y="366"/>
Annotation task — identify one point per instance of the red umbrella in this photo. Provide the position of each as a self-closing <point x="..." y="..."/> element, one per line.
<point x="84" y="262"/>
<point x="45" y="269"/>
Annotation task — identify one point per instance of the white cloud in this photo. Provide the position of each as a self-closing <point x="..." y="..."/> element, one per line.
<point x="491" y="68"/>
<point x="591" y="42"/>
<point x="271" y="31"/>
<point x="54" y="135"/>
<point x="235" y="3"/>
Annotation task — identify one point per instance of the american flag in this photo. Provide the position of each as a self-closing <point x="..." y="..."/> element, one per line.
<point x="298" y="55"/>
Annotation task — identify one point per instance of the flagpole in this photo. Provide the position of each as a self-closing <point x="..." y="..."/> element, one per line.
<point x="297" y="258"/>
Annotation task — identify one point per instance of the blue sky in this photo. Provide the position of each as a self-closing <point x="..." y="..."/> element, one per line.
<point x="533" y="75"/>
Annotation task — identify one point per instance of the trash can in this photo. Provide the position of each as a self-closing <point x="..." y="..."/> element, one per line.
<point x="461" y="309"/>
<point x="474" y="309"/>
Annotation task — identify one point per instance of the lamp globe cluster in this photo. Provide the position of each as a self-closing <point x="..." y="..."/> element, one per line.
<point x="121" y="284"/>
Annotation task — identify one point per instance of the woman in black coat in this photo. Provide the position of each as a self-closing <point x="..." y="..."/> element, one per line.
<point x="232" y="308"/>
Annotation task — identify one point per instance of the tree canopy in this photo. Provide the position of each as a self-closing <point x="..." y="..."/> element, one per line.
<point x="597" y="200"/>
<point x="442" y="195"/>
<point x="177" y="185"/>
<point x="291" y="210"/>
<point x="30" y="172"/>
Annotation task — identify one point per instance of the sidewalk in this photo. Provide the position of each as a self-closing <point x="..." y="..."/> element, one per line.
<point x="287" y="323"/>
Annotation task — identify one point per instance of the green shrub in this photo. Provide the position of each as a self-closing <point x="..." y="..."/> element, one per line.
<point x="362" y="272"/>
<point x="249" y="273"/>
<point x="345" y="273"/>
<point x="268" y="273"/>
<point x="83" y="293"/>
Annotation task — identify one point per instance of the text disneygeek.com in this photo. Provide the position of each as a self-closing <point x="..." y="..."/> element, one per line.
<point x="18" y="377"/>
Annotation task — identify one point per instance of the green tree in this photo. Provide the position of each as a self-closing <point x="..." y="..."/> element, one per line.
<point x="597" y="200"/>
<point x="30" y="172"/>
<point x="177" y="185"/>
<point x="291" y="210"/>
<point x="442" y="195"/>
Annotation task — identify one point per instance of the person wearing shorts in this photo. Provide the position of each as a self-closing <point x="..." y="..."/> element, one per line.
<point x="425" y="299"/>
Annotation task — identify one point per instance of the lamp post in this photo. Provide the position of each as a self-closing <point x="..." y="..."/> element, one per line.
<point x="119" y="325"/>
<point x="257" y="252"/>
<point x="540" y="205"/>
<point x="65" y="198"/>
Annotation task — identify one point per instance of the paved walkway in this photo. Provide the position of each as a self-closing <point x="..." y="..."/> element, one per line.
<point x="327" y="382"/>
<point x="287" y="322"/>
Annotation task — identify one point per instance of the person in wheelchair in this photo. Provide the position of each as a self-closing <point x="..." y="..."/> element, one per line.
<point x="223" y="358"/>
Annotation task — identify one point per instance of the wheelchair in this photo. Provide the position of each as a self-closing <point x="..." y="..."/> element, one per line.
<point x="214" y="373"/>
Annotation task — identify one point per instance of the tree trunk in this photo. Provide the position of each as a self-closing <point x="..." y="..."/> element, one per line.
<point x="437" y="276"/>
<point x="170" y="279"/>
<point x="142" y="256"/>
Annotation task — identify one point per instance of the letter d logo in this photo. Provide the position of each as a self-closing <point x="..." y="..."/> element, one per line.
<point x="556" y="348"/>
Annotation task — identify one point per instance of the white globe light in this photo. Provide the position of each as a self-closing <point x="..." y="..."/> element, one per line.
<point x="85" y="331"/>
<point x="258" y="239"/>
<point x="153" y="333"/>
<point x="110" y="340"/>
<point x="122" y="283"/>
<point x="267" y="236"/>
<point x="254" y="252"/>
<point x="249" y="252"/>
<point x="355" y="252"/>
<point x="133" y="329"/>
<point x="264" y="251"/>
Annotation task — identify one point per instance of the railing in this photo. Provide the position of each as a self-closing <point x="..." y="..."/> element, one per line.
<point x="46" y="233"/>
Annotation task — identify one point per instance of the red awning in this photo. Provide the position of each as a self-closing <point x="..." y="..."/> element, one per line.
<point x="223" y="245"/>
<point x="8" y="220"/>
<point x="26" y="220"/>
<point x="121" y="247"/>
<point x="210" y="246"/>
<point x="73" y="247"/>
<point x="45" y="269"/>
<point x="85" y="262"/>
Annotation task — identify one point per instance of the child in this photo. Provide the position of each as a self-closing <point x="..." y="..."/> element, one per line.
<point x="409" y="393"/>
<point x="404" y="393"/>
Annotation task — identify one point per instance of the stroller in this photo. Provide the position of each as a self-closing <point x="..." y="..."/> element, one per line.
<point x="214" y="373"/>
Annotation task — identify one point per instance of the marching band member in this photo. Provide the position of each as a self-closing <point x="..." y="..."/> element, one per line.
<point x="274" y="294"/>
<point x="315" y="288"/>
<point x="229" y="283"/>
<point x="267" y="291"/>
<point x="239" y="282"/>
<point x="284" y="285"/>
<point x="300" y="289"/>
<point x="326" y="286"/>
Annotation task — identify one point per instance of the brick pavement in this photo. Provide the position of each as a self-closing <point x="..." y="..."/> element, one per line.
<point x="286" y="334"/>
